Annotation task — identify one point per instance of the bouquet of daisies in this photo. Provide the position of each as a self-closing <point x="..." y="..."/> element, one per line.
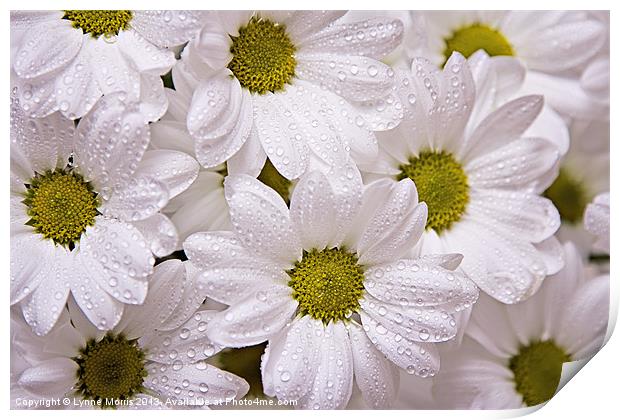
<point x="306" y="209"/>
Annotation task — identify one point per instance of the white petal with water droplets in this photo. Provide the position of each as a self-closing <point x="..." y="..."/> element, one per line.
<point x="254" y="319"/>
<point x="194" y="383"/>
<point x="289" y="365"/>
<point x="31" y="256"/>
<point x="188" y="343"/>
<point x="167" y="28"/>
<point x="261" y="220"/>
<point x="194" y="294"/>
<point x="52" y="378"/>
<point x="333" y="383"/>
<point x="373" y="373"/>
<point x="142" y="197"/>
<point x="144" y="56"/>
<point x="418" y="283"/>
<point x="417" y="358"/>
<point x="161" y="234"/>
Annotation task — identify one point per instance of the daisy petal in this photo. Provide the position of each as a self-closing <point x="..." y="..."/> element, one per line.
<point x="164" y="295"/>
<point x="30" y="257"/>
<point x="504" y="125"/>
<point x="354" y="78"/>
<point x="160" y="233"/>
<point x="429" y="285"/>
<point x="46" y="49"/>
<point x="547" y="53"/>
<point x="527" y="216"/>
<point x="304" y="336"/>
<point x="194" y="294"/>
<point x="395" y="226"/>
<point x="142" y="197"/>
<point x="144" y="56"/>
<point x="205" y="383"/>
<point x="421" y="359"/>
<point x="312" y="200"/>
<point x="118" y="247"/>
<point x="261" y="220"/>
<point x="42" y="307"/>
<point x="373" y="373"/>
<point x="333" y="384"/>
<point x="304" y="23"/>
<point x="422" y="324"/>
<point x="189" y="343"/>
<point x="375" y="37"/>
<point x="250" y="159"/>
<point x="111" y="140"/>
<point x="255" y="318"/>
<point x="52" y="378"/>
<point x="518" y="164"/>
<point x="167" y="28"/>
<point x="281" y="133"/>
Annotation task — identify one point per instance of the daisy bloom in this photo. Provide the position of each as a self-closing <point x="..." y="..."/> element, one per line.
<point x="596" y="220"/>
<point x="136" y="364"/>
<point x="300" y="88"/>
<point x="85" y="205"/>
<point x="325" y="283"/>
<point x="552" y="44"/>
<point x="478" y="174"/>
<point x="512" y="356"/>
<point x="66" y="60"/>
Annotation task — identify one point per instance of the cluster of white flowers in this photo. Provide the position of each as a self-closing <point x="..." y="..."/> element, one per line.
<point x="321" y="208"/>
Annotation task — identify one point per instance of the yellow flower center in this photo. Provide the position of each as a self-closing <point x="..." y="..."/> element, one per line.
<point x="472" y="38"/>
<point x="110" y="369"/>
<point x="99" y="22"/>
<point x="61" y="205"/>
<point x="442" y="184"/>
<point x="537" y="370"/>
<point x="263" y="56"/>
<point x="328" y="284"/>
<point x="569" y="196"/>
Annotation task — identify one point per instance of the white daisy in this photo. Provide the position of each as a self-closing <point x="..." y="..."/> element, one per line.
<point x="299" y="87"/>
<point x="478" y="174"/>
<point x="134" y="362"/>
<point x="596" y="220"/>
<point x="512" y="356"/>
<point x="325" y="283"/>
<point x="85" y="207"/>
<point x="552" y="44"/>
<point x="65" y="60"/>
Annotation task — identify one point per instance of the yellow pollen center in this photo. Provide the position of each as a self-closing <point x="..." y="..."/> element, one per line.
<point x="110" y="369"/>
<point x="263" y="56"/>
<point x="442" y="184"/>
<point x="328" y="284"/>
<point x="472" y="38"/>
<point x="99" y="22"/>
<point x="61" y="205"/>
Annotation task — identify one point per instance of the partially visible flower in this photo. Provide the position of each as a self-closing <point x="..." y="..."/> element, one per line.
<point x="597" y="220"/>
<point x="554" y="45"/>
<point x="85" y="210"/>
<point x="583" y="174"/>
<point x="479" y="172"/>
<point x="326" y="283"/>
<point x="300" y="88"/>
<point x="512" y="356"/>
<point x="140" y="360"/>
<point x="66" y="60"/>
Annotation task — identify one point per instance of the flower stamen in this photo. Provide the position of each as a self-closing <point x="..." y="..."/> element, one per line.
<point x="328" y="284"/>
<point x="99" y="22"/>
<point x="469" y="39"/>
